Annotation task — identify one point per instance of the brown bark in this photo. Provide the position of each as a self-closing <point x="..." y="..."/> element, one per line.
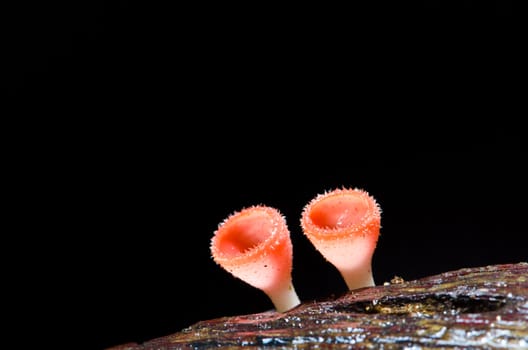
<point x="472" y="308"/>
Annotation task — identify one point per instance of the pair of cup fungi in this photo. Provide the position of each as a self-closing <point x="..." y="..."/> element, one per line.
<point x="254" y="244"/>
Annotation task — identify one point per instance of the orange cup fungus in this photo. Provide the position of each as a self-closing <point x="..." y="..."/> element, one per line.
<point x="254" y="245"/>
<point x="343" y="225"/>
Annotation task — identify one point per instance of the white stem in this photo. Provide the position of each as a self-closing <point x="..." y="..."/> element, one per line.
<point x="358" y="277"/>
<point x="284" y="298"/>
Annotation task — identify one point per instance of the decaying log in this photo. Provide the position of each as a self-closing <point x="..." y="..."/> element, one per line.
<point x="472" y="308"/>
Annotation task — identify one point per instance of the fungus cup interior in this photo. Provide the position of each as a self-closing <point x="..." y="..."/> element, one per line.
<point x="243" y="235"/>
<point x="338" y="212"/>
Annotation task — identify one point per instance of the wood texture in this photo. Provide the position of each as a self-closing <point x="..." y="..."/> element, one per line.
<point x="471" y="308"/>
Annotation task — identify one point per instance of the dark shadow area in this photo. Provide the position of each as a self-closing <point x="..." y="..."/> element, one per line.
<point x="426" y="304"/>
<point x="501" y="8"/>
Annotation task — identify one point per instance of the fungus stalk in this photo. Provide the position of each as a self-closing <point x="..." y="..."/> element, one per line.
<point x="254" y="245"/>
<point x="343" y="225"/>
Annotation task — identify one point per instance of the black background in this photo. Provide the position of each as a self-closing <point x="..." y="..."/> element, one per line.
<point x="149" y="125"/>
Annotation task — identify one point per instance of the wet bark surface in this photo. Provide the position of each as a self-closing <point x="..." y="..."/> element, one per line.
<point x="472" y="308"/>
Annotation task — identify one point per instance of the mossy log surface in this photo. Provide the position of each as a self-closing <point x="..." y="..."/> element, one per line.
<point x="471" y="308"/>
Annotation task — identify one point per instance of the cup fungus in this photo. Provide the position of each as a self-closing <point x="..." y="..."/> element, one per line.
<point x="254" y="245"/>
<point x="343" y="225"/>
